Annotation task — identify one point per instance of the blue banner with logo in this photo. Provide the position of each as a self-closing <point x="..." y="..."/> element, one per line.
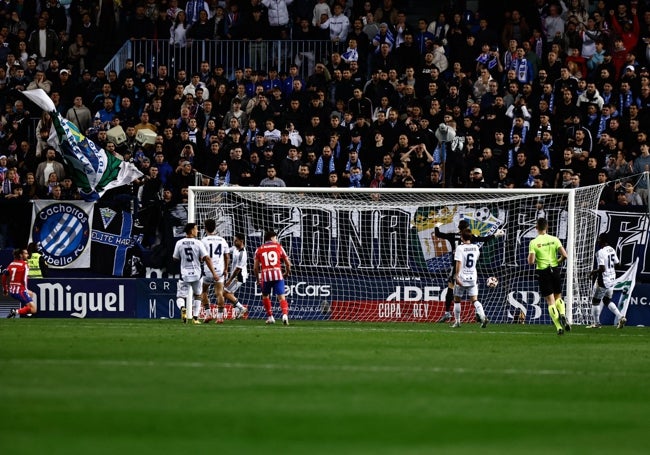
<point x="61" y="229"/>
<point x="114" y="240"/>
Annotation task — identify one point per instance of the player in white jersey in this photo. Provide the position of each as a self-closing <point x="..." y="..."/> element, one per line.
<point x="605" y="275"/>
<point x="190" y="252"/>
<point x="466" y="257"/>
<point x="219" y="252"/>
<point x="238" y="274"/>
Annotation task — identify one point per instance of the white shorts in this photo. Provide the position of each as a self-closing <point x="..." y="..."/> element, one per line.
<point x="233" y="286"/>
<point x="209" y="279"/>
<point x="182" y="289"/>
<point x="207" y="276"/>
<point x="196" y="286"/>
<point x="599" y="293"/>
<point x="461" y="291"/>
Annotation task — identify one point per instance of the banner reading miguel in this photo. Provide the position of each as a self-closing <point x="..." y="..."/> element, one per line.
<point x="87" y="298"/>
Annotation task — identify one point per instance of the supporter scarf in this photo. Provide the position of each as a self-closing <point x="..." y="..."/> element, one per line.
<point x="521" y="66"/>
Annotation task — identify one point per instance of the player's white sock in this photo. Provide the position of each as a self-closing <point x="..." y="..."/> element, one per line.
<point x="457" y="311"/>
<point x="479" y="309"/>
<point x="595" y="313"/>
<point x="219" y="315"/>
<point x="196" y="308"/>
<point x="614" y="309"/>
<point x="239" y="306"/>
<point x="180" y="302"/>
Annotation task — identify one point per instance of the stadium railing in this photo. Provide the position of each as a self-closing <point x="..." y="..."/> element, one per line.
<point x="232" y="54"/>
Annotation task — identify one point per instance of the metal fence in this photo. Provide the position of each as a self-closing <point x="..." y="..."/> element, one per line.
<point x="259" y="55"/>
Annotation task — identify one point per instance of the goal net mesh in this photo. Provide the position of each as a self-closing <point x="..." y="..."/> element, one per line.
<point x="372" y="255"/>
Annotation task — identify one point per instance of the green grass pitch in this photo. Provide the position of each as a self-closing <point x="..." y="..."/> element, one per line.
<point x="160" y="387"/>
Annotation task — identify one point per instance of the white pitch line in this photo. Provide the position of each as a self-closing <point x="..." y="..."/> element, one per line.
<point x="328" y="326"/>
<point x="306" y="367"/>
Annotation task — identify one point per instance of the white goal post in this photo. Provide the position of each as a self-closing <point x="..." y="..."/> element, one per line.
<point x="371" y="254"/>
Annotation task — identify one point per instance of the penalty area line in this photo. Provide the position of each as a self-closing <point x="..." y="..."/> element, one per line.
<point x="392" y="369"/>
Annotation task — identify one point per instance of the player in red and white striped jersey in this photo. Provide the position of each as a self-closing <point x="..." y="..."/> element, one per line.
<point x="269" y="258"/>
<point x="14" y="283"/>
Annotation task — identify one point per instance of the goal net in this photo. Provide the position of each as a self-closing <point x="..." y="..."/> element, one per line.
<point x="372" y="254"/>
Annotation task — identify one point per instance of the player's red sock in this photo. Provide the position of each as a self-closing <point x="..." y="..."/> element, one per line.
<point x="267" y="306"/>
<point x="25" y="310"/>
<point x="284" y="306"/>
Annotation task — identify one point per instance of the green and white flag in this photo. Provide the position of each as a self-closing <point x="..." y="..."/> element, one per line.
<point x="625" y="283"/>
<point x="91" y="168"/>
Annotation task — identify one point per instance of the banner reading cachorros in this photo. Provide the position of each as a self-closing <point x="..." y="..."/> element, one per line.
<point x="61" y="230"/>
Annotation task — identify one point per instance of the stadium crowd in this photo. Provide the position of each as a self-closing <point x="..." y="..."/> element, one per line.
<point x="557" y="95"/>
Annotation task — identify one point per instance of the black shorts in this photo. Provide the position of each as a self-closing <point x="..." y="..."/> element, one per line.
<point x="550" y="281"/>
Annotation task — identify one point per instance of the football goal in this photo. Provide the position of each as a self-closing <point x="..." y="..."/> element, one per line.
<point x="372" y="254"/>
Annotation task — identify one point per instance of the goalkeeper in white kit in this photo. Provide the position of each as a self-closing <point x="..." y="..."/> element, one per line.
<point x="605" y="275"/>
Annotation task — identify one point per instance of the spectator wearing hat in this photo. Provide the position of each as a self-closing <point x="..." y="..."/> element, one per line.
<point x="476" y="179"/>
<point x="564" y="178"/>
<point x="503" y="180"/>
<point x="222" y="176"/>
<point x="546" y="172"/>
<point x="620" y="200"/>
<point x="257" y="144"/>
<point x="66" y="87"/>
<point x="183" y="177"/>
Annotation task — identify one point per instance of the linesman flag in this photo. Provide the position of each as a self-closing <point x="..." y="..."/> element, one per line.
<point x="91" y="168"/>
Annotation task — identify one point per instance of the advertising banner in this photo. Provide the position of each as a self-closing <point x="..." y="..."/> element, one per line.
<point x="310" y="298"/>
<point x="93" y="298"/>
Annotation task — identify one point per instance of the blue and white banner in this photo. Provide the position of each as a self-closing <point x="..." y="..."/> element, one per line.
<point x="61" y="229"/>
<point x="114" y="240"/>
